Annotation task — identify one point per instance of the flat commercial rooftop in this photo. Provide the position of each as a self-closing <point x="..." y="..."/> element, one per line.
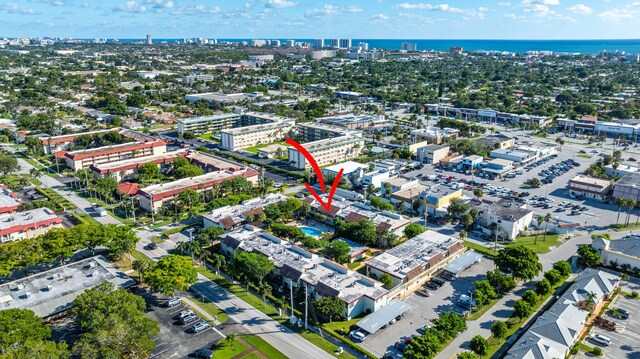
<point x="53" y="291"/>
<point x="383" y="316"/>
<point x="193" y="182"/>
<point x="463" y="262"/>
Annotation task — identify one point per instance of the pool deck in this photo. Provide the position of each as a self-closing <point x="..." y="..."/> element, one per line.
<point x="316" y="226"/>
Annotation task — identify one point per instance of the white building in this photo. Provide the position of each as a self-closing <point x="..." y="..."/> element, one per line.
<point x="409" y="46"/>
<point x="81" y="159"/>
<point x="28" y="224"/>
<point x="232" y="217"/>
<point x="328" y="151"/>
<point x="243" y="137"/>
<point x="511" y="217"/>
<point x="619" y="252"/>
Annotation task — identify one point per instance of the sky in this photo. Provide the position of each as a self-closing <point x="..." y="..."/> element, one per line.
<point x="306" y="19"/>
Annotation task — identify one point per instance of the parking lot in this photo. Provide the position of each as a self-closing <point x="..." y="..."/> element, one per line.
<point x="624" y="344"/>
<point x="423" y="309"/>
<point x="175" y="340"/>
<point x="598" y="215"/>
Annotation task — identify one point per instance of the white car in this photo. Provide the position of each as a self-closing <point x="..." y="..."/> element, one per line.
<point x="357" y="336"/>
<point x="601" y="339"/>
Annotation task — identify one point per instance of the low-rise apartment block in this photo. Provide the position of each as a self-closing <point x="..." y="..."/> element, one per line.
<point x="511" y="217"/>
<point x="243" y="137"/>
<point x="204" y="124"/>
<point x="328" y="151"/>
<point x="413" y="261"/>
<point x="590" y="187"/>
<point x="222" y="97"/>
<point x="28" y="224"/>
<point x="232" y="217"/>
<point x="78" y="160"/>
<point x="51" y="144"/>
<point x="302" y="269"/>
<point x="9" y="201"/>
<point x="124" y="170"/>
<point x="315" y="131"/>
<point x="152" y="198"/>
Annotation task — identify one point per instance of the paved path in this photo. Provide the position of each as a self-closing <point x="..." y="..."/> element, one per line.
<point x="256" y="322"/>
<point x="503" y="308"/>
<point x="73" y="197"/>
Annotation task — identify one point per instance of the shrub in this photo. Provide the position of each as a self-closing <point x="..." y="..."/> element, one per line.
<point x="634" y="294"/>
<point x="597" y="351"/>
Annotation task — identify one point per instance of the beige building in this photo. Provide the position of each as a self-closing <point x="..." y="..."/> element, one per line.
<point x="78" y="160"/>
<point x="123" y="170"/>
<point x="243" y="137"/>
<point x="152" y="198"/>
<point x="204" y="124"/>
<point x="432" y="153"/>
<point x="328" y="151"/>
<point x="590" y="187"/>
<point x="28" y="224"/>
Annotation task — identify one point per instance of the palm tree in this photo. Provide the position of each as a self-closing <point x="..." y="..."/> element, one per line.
<point x="620" y="202"/>
<point x="539" y="220"/>
<point x="231" y="338"/>
<point x="218" y="260"/>
<point x="547" y="219"/>
<point x="35" y="173"/>
<point x="631" y="204"/>
<point x="182" y="247"/>
<point x="264" y="289"/>
<point x="140" y="265"/>
<point x="462" y="234"/>
<point x="591" y="299"/>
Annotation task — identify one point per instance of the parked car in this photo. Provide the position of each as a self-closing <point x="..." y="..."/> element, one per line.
<point x="189" y="319"/>
<point x="172" y="302"/>
<point x="202" y="354"/>
<point x="357" y="336"/>
<point x="432" y="285"/>
<point x="152" y="246"/>
<point x="185" y="313"/>
<point x="600" y="339"/>
<point x="424" y="292"/>
<point x="440" y="281"/>
<point x="200" y="326"/>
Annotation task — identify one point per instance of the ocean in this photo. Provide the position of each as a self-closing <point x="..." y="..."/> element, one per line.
<point x="592" y="47"/>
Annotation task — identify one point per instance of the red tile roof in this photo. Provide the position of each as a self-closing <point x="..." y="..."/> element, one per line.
<point x="113" y="149"/>
<point x="128" y="188"/>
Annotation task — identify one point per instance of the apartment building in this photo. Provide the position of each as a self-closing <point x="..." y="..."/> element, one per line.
<point x="302" y="270"/>
<point x="125" y="169"/>
<point x="28" y="224"/>
<point x="78" y="160"/>
<point x="590" y="187"/>
<point x="51" y="144"/>
<point x="413" y="261"/>
<point x="485" y="115"/>
<point x="152" y="198"/>
<point x="226" y="98"/>
<point x="9" y="201"/>
<point x="205" y="124"/>
<point x="243" y="137"/>
<point x="316" y="131"/>
<point x="232" y="217"/>
<point x="328" y="151"/>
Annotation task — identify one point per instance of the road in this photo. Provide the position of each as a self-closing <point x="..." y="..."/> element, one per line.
<point x="503" y="308"/>
<point x="282" y="338"/>
<point x="73" y="197"/>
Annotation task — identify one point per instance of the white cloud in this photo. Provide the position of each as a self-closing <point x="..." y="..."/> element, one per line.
<point x="198" y="9"/>
<point x="279" y="4"/>
<point x="50" y="2"/>
<point x="13" y="8"/>
<point x="379" y="18"/>
<point x="131" y="6"/>
<point x="160" y="4"/>
<point x="580" y="9"/>
<point x="541" y="2"/>
<point x="617" y="15"/>
<point x="467" y="13"/>
<point x="332" y="10"/>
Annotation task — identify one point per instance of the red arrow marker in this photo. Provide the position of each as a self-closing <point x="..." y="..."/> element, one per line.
<point x="316" y="169"/>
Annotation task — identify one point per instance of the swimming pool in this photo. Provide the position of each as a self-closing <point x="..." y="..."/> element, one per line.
<point x="311" y="231"/>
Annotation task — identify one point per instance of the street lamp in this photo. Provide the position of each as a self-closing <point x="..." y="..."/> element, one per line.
<point x="495" y="245"/>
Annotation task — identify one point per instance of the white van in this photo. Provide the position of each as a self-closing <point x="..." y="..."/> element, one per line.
<point x="601" y="339"/>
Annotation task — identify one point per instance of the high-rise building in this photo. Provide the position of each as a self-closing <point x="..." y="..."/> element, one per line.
<point x="318" y="43"/>
<point x="409" y="46"/>
<point x="345" y="43"/>
<point x="258" y="43"/>
<point x="149" y="40"/>
<point x="275" y="43"/>
<point x="364" y="46"/>
<point x="334" y="43"/>
<point x="291" y="43"/>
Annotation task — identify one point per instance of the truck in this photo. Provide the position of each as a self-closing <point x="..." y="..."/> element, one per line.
<point x="101" y="211"/>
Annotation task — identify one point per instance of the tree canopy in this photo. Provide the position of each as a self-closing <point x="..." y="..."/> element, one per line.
<point x="171" y="273"/>
<point x="24" y="335"/>
<point x="519" y="261"/>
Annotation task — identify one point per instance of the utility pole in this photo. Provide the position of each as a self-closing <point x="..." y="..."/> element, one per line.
<point x="133" y="210"/>
<point x="306" y="305"/>
<point x="291" y="296"/>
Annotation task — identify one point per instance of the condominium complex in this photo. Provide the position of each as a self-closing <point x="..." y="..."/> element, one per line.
<point x="9" y="201"/>
<point x="78" y="160"/>
<point x="152" y="198"/>
<point x="301" y="269"/>
<point x="28" y="224"/>
<point x="122" y="170"/>
<point x="204" y="124"/>
<point x="51" y="144"/>
<point x="315" y="131"/>
<point x="328" y="151"/>
<point x="242" y="137"/>
<point x="232" y="217"/>
<point x="354" y="121"/>
<point x="485" y="115"/>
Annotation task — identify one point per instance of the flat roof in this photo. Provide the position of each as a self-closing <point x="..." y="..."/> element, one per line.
<point x="130" y="146"/>
<point x="8" y="198"/>
<point x="463" y="262"/>
<point x="256" y="128"/>
<point x="53" y="291"/>
<point x="383" y="316"/>
<point x="630" y="180"/>
<point x="194" y="182"/>
<point x="229" y="216"/>
<point x="199" y="119"/>
<point x="591" y="181"/>
<point x="348" y="166"/>
<point x="206" y="160"/>
<point x="327" y="143"/>
<point x="20" y="221"/>
<point x="135" y="162"/>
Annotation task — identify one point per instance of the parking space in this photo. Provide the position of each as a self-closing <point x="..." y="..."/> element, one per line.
<point x="423" y="309"/>
<point x="624" y="343"/>
<point x="175" y="339"/>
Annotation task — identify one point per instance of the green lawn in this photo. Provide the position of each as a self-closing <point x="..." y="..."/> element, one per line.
<point x="264" y="347"/>
<point x="324" y="344"/>
<point x="254" y="149"/>
<point x="252" y="356"/>
<point x="622" y="227"/>
<point x="224" y="350"/>
<point x="539" y="245"/>
<point x="480" y="248"/>
<point x="480" y="312"/>
<point x="354" y="265"/>
<point x="211" y="308"/>
<point x="84" y="218"/>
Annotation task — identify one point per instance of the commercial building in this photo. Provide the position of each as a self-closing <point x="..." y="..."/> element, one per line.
<point x="398" y="184"/>
<point x="435" y="135"/>
<point x="619" y="252"/>
<point x="408" y="196"/>
<point x="518" y="156"/>
<point x="243" y="137"/>
<point x="304" y="270"/>
<point x="322" y="54"/>
<point x="123" y="170"/>
<point x="620" y="171"/>
<point x="232" y="217"/>
<point x="375" y="178"/>
<point x="486" y="115"/>
<point x="432" y="153"/>
<point x="355" y="121"/>
<point x="51" y="144"/>
<point x="9" y="201"/>
<point x="590" y="125"/>
<point x="510" y="217"/>
<point x="557" y="330"/>
<point x="472" y="162"/>
<point x="81" y="159"/>
<point x="628" y="187"/>
<point x="328" y="151"/>
<point x="413" y="261"/>
<point x="496" y="141"/>
<point x="590" y="187"/>
<point x="204" y="124"/>
<point x="152" y="198"/>
<point x="497" y="167"/>
<point x="53" y="291"/>
<point x="438" y="197"/>
<point x="28" y="224"/>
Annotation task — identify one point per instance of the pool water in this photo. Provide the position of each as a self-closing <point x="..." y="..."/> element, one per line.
<point x="311" y="231"/>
